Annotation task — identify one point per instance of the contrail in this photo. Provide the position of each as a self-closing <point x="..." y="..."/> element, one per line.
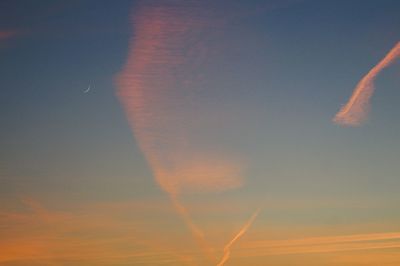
<point x="356" y="109"/>
<point x="243" y="230"/>
<point x="161" y="109"/>
<point x="194" y="229"/>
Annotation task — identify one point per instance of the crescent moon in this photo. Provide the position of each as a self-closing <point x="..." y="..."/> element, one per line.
<point x="87" y="90"/>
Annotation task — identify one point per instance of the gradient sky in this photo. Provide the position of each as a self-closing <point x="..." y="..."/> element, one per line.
<point x="206" y="137"/>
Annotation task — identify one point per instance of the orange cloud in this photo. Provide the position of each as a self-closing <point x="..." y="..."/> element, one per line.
<point x="321" y="244"/>
<point x="100" y="234"/>
<point x="356" y="109"/>
<point x="368" y="257"/>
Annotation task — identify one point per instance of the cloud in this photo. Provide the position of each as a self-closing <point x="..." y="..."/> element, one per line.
<point x="327" y="244"/>
<point x="160" y="106"/>
<point x="8" y="34"/>
<point x="109" y="233"/>
<point x="91" y="234"/>
<point x="355" y="111"/>
<point x="156" y="88"/>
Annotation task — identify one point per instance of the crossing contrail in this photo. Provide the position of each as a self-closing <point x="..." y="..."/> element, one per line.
<point x="242" y="231"/>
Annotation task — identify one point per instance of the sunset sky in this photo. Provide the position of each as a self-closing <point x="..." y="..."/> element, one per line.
<point x="200" y="132"/>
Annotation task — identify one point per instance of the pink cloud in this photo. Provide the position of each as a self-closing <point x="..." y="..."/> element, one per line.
<point x="355" y="112"/>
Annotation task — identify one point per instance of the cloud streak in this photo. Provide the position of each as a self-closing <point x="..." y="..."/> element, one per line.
<point x="355" y="111"/>
<point x="242" y="231"/>
<point x="93" y="234"/>
<point x="328" y="244"/>
<point x="87" y="234"/>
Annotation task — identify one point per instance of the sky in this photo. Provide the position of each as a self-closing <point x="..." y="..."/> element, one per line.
<point x="171" y="132"/>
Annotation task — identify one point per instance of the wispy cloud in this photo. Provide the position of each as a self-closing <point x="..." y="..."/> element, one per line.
<point x="160" y="106"/>
<point x="356" y="109"/>
<point x="327" y="244"/>
<point x="155" y="90"/>
<point x="91" y="234"/>
<point x="112" y="233"/>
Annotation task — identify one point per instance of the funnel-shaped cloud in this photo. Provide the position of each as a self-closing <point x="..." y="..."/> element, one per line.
<point x="172" y="126"/>
<point x="356" y="109"/>
<point x="166" y="117"/>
